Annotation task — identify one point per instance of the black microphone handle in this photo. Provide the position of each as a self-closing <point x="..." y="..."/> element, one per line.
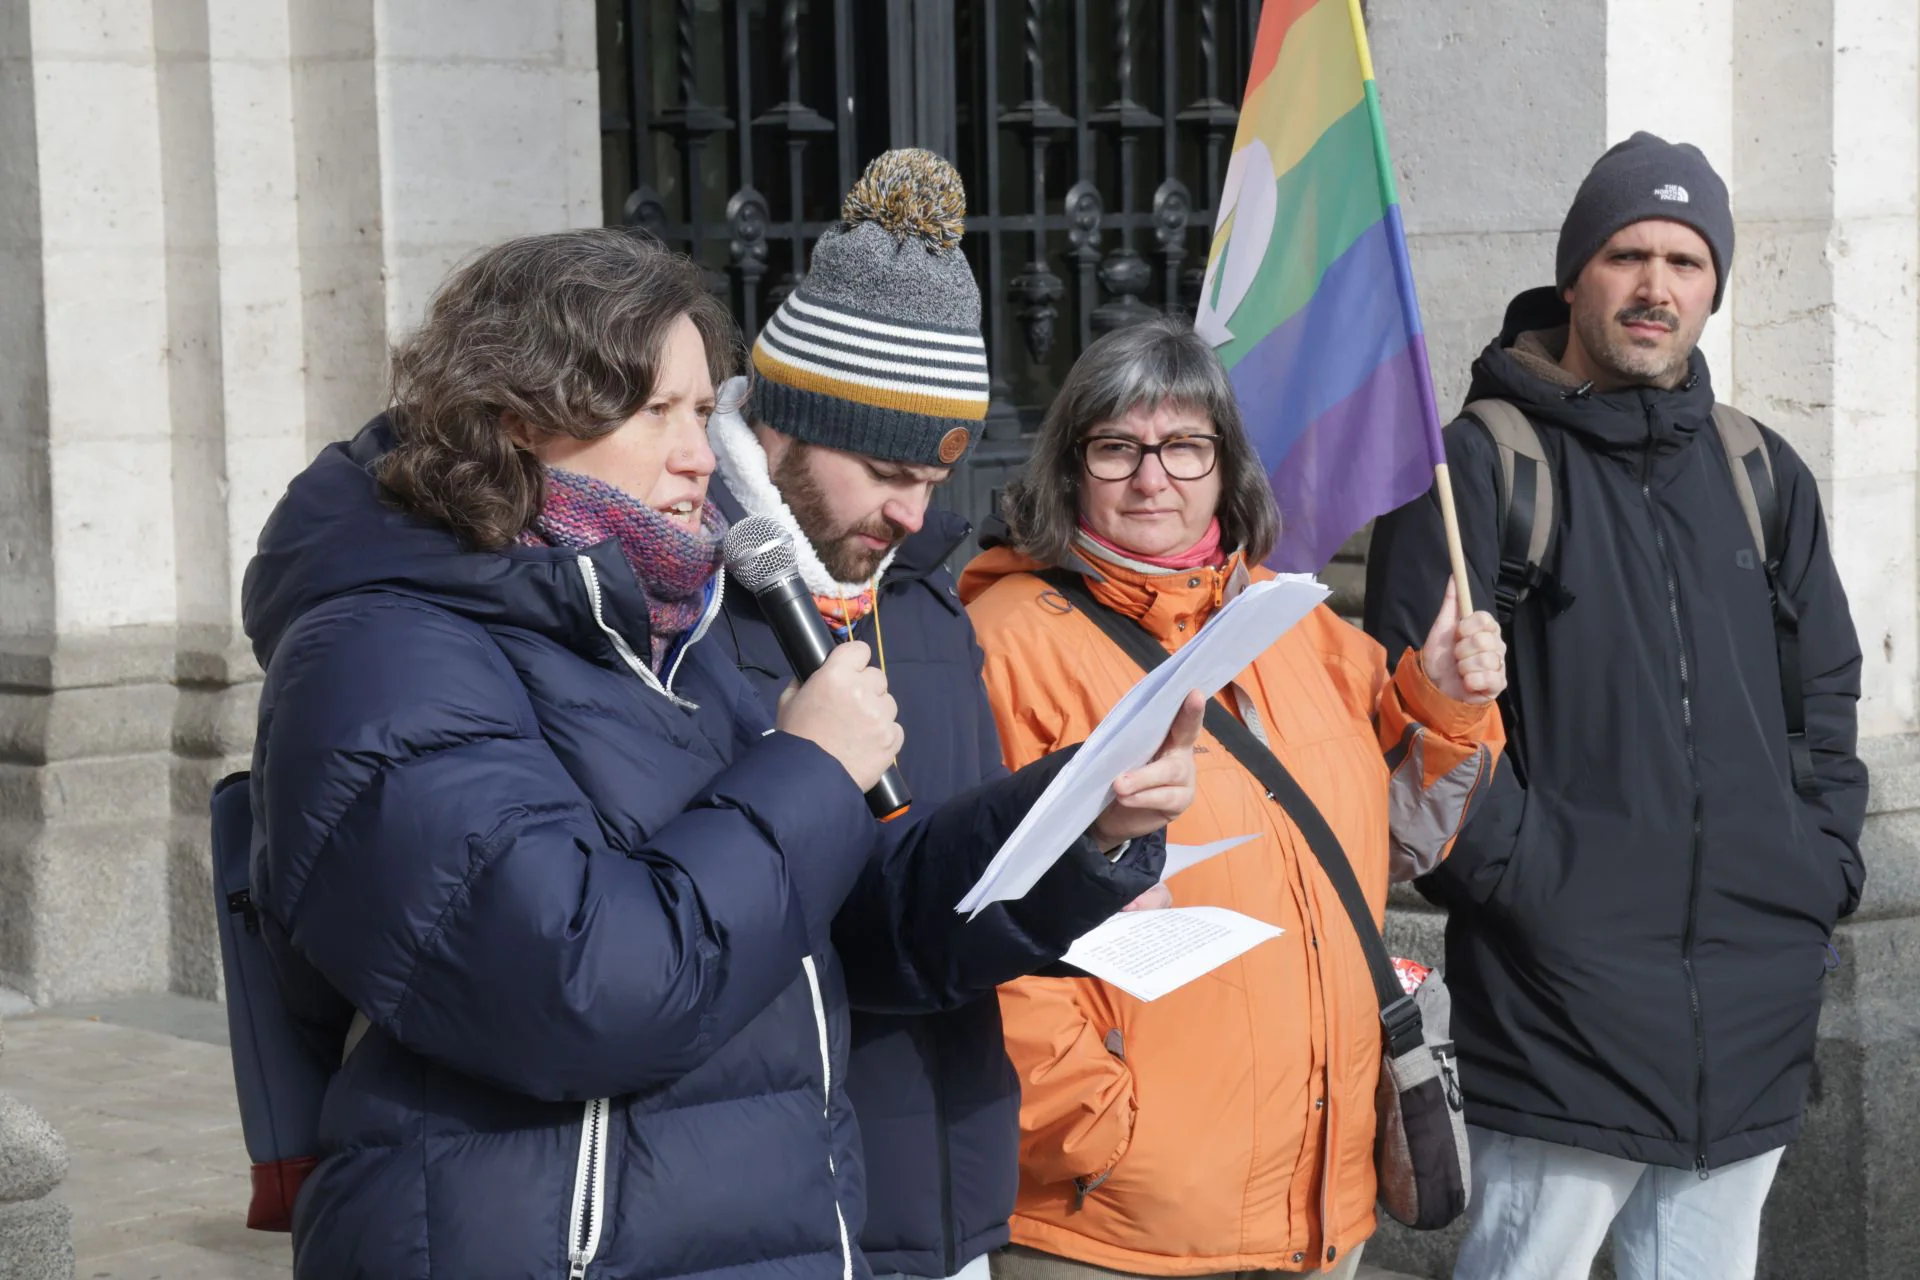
<point x="804" y="638"/>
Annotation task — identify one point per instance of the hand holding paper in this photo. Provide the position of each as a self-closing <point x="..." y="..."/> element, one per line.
<point x="1148" y="798"/>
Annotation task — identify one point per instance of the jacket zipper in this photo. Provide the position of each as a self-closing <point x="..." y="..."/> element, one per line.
<point x="1693" y="774"/>
<point x="591" y="577"/>
<point x="706" y="620"/>
<point x="826" y="1075"/>
<point x="589" y="1191"/>
<point x="948" y="1242"/>
<point x="1325" y="1082"/>
<point x="590" y="1173"/>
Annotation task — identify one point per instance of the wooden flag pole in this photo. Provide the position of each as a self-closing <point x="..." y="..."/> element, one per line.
<point x="1443" y="483"/>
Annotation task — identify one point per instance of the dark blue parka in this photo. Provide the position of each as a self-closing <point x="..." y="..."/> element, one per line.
<point x="937" y="1101"/>
<point x="587" y="915"/>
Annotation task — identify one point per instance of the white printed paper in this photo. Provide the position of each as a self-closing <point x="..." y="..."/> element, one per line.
<point x="1182" y="856"/>
<point x="1149" y="953"/>
<point x="1129" y="735"/>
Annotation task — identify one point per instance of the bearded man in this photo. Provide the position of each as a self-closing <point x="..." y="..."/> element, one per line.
<point x="1639" y="912"/>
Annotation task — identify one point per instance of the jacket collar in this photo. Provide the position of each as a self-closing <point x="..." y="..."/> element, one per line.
<point x="1516" y="367"/>
<point x="1172" y="604"/>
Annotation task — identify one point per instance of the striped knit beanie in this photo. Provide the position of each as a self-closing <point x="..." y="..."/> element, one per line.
<point x="878" y="351"/>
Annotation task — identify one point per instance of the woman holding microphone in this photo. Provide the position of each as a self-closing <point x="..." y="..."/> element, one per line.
<point x="543" y="850"/>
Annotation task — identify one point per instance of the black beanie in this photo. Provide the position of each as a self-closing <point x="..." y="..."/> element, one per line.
<point x="1647" y="177"/>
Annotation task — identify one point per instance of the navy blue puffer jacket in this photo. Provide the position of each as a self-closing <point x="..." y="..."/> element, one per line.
<point x="586" y="913"/>
<point x="937" y="1100"/>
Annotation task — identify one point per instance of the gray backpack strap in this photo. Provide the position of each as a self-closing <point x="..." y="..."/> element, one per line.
<point x="1751" y="466"/>
<point x="1526" y="502"/>
<point x="1752" y="469"/>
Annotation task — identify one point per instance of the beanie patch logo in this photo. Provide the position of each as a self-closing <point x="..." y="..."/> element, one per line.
<point x="952" y="445"/>
<point x="1673" y="193"/>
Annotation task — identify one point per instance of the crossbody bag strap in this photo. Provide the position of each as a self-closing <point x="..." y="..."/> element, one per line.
<point x="1399" y="1015"/>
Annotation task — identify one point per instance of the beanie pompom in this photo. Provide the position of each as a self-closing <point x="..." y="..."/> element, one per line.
<point x="911" y="193"/>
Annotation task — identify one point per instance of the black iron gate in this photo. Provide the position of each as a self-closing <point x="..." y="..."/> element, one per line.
<point x="1092" y="135"/>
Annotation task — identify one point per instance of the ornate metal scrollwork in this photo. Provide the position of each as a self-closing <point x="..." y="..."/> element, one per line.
<point x="747" y="219"/>
<point x="1038" y="289"/>
<point x="1085" y="208"/>
<point x="1125" y="275"/>
<point x="644" y="209"/>
<point x="799" y="122"/>
<point x="1171" y="205"/>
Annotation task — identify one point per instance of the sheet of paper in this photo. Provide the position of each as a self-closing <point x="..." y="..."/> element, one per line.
<point x="1149" y="953"/>
<point x="1128" y="735"/>
<point x="1182" y="856"/>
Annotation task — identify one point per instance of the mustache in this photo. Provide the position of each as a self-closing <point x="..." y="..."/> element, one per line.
<point x="1649" y="315"/>
<point x="879" y="527"/>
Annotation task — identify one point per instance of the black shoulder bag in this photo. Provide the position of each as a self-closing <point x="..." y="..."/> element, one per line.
<point x="1420" y="1144"/>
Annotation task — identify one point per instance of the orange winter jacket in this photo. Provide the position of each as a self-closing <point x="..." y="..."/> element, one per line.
<point x="1229" y="1125"/>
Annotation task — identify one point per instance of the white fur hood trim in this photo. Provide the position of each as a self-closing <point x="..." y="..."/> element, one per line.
<point x="743" y="466"/>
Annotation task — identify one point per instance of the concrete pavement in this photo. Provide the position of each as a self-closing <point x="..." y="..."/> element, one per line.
<point x="142" y="1090"/>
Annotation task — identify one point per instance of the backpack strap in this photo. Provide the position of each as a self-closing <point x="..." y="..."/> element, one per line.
<point x="1752" y="469"/>
<point x="1400" y="1020"/>
<point x="1751" y="466"/>
<point x="1526" y="503"/>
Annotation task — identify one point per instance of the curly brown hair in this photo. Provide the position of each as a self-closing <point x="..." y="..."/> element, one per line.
<point x="556" y="334"/>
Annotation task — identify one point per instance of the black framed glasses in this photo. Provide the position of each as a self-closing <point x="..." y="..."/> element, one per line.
<point x="1119" y="457"/>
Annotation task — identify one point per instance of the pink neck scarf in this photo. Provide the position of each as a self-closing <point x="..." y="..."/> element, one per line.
<point x="1204" y="552"/>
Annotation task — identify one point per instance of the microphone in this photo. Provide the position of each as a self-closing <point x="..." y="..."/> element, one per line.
<point x="761" y="557"/>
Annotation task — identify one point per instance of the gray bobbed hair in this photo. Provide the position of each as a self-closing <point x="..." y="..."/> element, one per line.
<point x="1158" y="361"/>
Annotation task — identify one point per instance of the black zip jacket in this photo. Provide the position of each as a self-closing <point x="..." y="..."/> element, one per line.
<point x="937" y="1101"/>
<point x="1639" y="912"/>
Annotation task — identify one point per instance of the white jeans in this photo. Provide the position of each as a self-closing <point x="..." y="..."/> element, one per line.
<point x="1540" y="1211"/>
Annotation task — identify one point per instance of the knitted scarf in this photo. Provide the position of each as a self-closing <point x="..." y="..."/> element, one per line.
<point x="674" y="566"/>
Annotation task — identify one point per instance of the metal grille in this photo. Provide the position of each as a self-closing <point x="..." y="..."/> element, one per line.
<point x="1092" y="136"/>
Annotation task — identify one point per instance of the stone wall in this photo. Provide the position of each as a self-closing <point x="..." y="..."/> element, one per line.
<point x="213" y="214"/>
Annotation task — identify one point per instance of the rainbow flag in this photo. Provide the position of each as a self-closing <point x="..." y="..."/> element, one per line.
<point x="1309" y="296"/>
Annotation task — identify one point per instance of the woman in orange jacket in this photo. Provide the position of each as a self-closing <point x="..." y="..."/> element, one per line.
<point x="1229" y="1125"/>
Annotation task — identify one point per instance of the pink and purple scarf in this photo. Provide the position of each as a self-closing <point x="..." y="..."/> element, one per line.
<point x="673" y="565"/>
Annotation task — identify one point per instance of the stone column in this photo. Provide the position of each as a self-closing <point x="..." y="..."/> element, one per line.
<point x="1827" y="189"/>
<point x="215" y="214"/>
<point x="36" y="1231"/>
<point x="86" y="642"/>
<point x="492" y="113"/>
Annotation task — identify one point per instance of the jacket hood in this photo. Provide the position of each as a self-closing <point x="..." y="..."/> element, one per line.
<point x="1516" y="366"/>
<point x="938" y="537"/>
<point x="996" y="562"/>
<point x="333" y="534"/>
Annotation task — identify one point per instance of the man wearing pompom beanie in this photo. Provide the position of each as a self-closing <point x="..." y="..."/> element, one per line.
<point x="870" y="386"/>
<point x="1639" y="914"/>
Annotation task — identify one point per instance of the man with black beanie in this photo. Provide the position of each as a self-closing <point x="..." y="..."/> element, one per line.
<point x="1639" y="914"/>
